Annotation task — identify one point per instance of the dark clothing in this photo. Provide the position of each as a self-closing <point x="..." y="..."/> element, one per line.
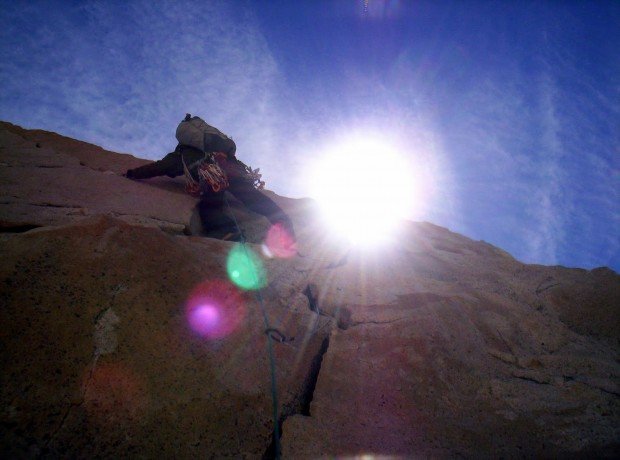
<point x="211" y="205"/>
<point x="220" y="144"/>
<point x="171" y="165"/>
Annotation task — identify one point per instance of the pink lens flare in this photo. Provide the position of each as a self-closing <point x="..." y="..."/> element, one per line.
<point x="214" y="309"/>
<point x="204" y="319"/>
<point x="279" y="243"/>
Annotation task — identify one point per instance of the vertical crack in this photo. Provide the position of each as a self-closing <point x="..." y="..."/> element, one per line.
<point x="342" y="315"/>
<point x="311" y="379"/>
<point x="312" y="293"/>
<point x="301" y="406"/>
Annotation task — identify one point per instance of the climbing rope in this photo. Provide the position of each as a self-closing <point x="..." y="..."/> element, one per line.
<point x="270" y="332"/>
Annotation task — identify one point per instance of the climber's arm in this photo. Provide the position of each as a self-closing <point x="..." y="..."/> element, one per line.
<point x="171" y="166"/>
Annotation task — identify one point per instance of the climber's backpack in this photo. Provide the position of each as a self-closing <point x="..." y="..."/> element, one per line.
<point x="193" y="131"/>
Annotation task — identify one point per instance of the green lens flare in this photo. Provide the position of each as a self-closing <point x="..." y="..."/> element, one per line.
<point x="245" y="268"/>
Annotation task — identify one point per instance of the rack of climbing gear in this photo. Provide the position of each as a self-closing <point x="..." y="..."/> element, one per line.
<point x="252" y="175"/>
<point x="209" y="172"/>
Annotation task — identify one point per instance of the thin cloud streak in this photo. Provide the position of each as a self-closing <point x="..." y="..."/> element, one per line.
<point x="115" y="77"/>
<point x="522" y="141"/>
<point x="545" y="203"/>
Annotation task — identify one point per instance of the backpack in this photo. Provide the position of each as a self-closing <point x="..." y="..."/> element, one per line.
<point x="195" y="132"/>
<point x="198" y="134"/>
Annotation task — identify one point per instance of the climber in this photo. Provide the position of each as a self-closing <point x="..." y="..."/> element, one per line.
<point x="206" y="157"/>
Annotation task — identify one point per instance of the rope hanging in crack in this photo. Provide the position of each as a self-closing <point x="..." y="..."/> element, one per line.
<point x="268" y="331"/>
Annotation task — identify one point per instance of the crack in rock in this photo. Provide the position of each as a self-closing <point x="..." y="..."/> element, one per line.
<point x="507" y="358"/>
<point x="342" y="315"/>
<point x="604" y="386"/>
<point x="171" y="227"/>
<point x="45" y="450"/>
<point x="546" y="285"/>
<point x="312" y="378"/>
<point x="532" y="377"/>
<point x="17" y="228"/>
<point x="52" y="205"/>
<point x="358" y="323"/>
<point x="301" y="406"/>
<point x="312" y="293"/>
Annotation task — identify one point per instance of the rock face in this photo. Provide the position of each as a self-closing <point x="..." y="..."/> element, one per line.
<point x="436" y="346"/>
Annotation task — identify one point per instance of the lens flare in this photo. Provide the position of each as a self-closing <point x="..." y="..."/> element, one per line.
<point x="204" y="319"/>
<point x="215" y="309"/>
<point x="279" y="243"/>
<point x="245" y="269"/>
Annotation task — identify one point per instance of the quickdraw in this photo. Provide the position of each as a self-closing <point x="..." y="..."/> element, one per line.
<point x="210" y="173"/>
<point x="253" y="175"/>
<point x="214" y="176"/>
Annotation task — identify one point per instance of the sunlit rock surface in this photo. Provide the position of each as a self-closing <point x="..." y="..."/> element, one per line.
<point x="434" y="346"/>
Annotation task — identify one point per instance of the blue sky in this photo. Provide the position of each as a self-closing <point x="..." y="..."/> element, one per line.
<point x="510" y="110"/>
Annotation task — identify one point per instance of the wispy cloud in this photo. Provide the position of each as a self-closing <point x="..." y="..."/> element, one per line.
<point x="545" y="201"/>
<point x="519" y="131"/>
<point x="534" y="153"/>
<point x="580" y="115"/>
<point x="123" y="76"/>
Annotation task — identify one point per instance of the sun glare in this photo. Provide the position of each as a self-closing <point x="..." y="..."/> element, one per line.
<point x="364" y="187"/>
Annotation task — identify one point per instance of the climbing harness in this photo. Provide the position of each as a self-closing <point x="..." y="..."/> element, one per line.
<point x="209" y="172"/>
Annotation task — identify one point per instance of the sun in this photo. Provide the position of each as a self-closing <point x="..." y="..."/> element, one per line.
<point x="364" y="187"/>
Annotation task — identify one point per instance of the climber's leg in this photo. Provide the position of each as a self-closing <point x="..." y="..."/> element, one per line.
<point x="215" y="222"/>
